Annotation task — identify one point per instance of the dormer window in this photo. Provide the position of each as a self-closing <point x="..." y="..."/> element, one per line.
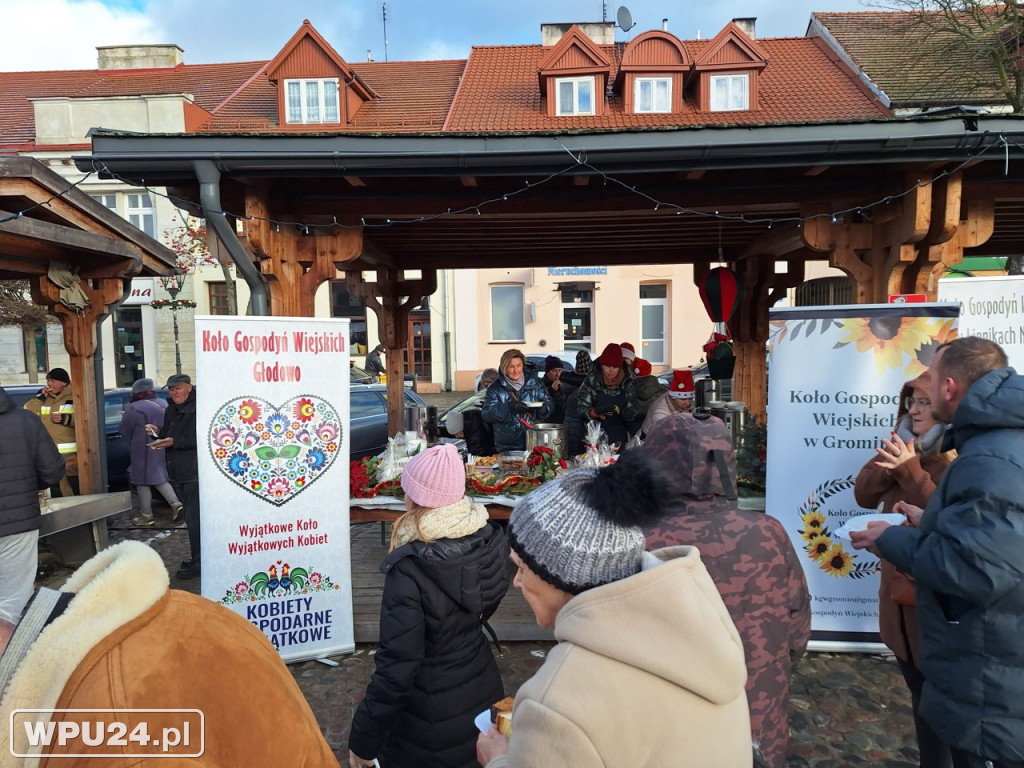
<point x="575" y="96"/>
<point x="652" y="94"/>
<point x="730" y="93"/>
<point x="312" y="101"/>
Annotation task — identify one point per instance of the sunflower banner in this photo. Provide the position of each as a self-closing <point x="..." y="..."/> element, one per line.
<point x="835" y="380"/>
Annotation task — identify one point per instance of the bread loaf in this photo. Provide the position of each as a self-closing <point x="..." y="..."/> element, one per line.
<point x="501" y="715"/>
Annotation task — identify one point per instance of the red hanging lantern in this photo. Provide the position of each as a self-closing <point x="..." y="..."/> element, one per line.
<point x="720" y="291"/>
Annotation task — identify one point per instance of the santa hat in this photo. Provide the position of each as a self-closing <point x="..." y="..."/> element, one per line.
<point x="682" y="385"/>
<point x="628" y="351"/>
<point x="641" y="367"/>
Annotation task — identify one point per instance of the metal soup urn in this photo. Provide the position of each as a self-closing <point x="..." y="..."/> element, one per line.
<point x="553" y="436"/>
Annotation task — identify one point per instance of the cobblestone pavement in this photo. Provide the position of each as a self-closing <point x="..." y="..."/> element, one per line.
<point x="846" y="709"/>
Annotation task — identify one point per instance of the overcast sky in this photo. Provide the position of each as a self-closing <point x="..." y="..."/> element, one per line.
<point x="64" y="34"/>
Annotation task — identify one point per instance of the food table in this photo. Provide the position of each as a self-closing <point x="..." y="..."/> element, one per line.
<point x="388" y="508"/>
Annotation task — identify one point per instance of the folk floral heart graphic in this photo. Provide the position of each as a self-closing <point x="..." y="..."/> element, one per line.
<point x="275" y="452"/>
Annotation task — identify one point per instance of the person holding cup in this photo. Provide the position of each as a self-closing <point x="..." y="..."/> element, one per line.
<point x="514" y="398"/>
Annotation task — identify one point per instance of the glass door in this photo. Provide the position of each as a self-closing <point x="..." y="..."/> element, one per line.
<point x="128" y="345"/>
<point x="577" y="328"/>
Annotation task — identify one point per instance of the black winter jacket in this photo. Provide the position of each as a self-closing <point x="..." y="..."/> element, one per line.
<point x="503" y="409"/>
<point x="968" y="560"/>
<point x="434" y="668"/>
<point x="29" y="463"/>
<point x="180" y="424"/>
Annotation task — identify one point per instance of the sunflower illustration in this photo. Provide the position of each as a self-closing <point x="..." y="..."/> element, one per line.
<point x="890" y="337"/>
<point x="814" y="523"/>
<point x="818" y="546"/>
<point x="836" y="562"/>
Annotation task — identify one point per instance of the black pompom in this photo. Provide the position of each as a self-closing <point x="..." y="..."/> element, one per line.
<point x="626" y="493"/>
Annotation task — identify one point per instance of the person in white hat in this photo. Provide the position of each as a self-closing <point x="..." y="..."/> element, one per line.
<point x="678" y="399"/>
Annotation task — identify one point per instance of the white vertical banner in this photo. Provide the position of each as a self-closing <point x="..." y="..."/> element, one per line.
<point x="835" y="375"/>
<point x="990" y="307"/>
<point x="272" y="423"/>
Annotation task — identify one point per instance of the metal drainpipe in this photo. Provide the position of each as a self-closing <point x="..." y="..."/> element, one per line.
<point x="447" y="335"/>
<point x="209" y="201"/>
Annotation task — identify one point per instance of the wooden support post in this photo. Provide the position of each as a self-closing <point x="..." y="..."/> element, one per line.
<point x="80" y="330"/>
<point x="392" y="298"/>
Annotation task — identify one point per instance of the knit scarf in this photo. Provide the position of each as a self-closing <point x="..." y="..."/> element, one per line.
<point x="516" y="384"/>
<point x="462" y="518"/>
<point x="928" y="443"/>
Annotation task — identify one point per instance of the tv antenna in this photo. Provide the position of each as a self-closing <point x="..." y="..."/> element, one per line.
<point x="625" y="19"/>
<point x="384" y="15"/>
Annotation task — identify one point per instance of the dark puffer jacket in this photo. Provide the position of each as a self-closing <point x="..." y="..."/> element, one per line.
<point x="750" y="558"/>
<point x="29" y="462"/>
<point x="968" y="560"/>
<point x="502" y="409"/>
<point x="434" y="668"/>
<point x="180" y="424"/>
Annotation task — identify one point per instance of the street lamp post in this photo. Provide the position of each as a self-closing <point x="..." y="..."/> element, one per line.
<point x="172" y="284"/>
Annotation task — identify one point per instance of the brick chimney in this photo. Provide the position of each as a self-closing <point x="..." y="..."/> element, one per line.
<point x="162" y="56"/>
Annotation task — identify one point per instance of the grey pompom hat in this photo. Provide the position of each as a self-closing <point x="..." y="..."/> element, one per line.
<point x="567" y="542"/>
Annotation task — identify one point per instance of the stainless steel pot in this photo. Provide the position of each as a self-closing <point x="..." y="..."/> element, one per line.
<point x="554" y="436"/>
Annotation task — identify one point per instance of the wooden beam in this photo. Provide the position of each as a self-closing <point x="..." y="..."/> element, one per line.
<point x="468" y="181"/>
<point x="354" y="181"/>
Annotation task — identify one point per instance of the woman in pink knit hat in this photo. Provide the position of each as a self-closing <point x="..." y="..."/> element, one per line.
<point x="446" y="573"/>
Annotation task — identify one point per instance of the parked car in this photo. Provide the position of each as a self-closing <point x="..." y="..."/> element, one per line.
<point x="535" y="363"/>
<point x="361" y="376"/>
<point x="114" y="402"/>
<point x="368" y="425"/>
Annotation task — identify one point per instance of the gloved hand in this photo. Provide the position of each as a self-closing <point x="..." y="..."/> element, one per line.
<point x="613" y="411"/>
<point x="516" y="406"/>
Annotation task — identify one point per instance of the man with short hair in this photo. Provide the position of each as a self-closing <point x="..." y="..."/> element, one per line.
<point x="373" y="364"/>
<point x="29" y="462"/>
<point x="54" y="405"/>
<point x="967" y="558"/>
<point x="178" y="437"/>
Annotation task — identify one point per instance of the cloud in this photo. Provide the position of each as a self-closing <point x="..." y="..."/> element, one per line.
<point x="64" y="34"/>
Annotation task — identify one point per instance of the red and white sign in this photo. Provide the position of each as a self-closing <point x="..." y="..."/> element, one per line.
<point x="908" y="298"/>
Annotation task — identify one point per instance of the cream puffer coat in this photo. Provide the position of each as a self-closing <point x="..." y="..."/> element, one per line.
<point x="648" y="672"/>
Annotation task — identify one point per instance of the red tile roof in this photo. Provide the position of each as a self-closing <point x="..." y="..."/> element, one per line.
<point x="802" y="83"/>
<point x="494" y="91"/>
<point x="915" y="64"/>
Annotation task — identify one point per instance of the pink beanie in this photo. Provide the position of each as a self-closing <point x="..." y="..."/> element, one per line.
<point x="436" y="477"/>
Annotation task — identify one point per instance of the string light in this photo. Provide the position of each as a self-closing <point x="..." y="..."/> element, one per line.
<point x="579" y="161"/>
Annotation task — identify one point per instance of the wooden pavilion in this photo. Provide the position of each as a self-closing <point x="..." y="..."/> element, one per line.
<point x="891" y="202"/>
<point x="47" y="225"/>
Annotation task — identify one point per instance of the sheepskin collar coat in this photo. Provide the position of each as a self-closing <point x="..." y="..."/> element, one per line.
<point x="126" y="641"/>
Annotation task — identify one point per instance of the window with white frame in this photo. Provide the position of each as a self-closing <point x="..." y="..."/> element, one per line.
<point x="652" y="94"/>
<point x="653" y="322"/>
<point x="730" y="93"/>
<point x="508" y="316"/>
<point x="141" y="212"/>
<point x="575" y="96"/>
<point x="136" y="207"/>
<point x="312" y="101"/>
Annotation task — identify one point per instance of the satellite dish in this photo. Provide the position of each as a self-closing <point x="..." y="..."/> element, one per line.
<point x="625" y="18"/>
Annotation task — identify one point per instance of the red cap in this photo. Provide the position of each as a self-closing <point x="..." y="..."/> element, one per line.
<point x="641" y="367"/>
<point x="611" y="356"/>
<point x="682" y="384"/>
<point x="628" y="350"/>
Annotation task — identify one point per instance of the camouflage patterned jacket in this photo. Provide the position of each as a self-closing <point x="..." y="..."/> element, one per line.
<point x="750" y="558"/>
